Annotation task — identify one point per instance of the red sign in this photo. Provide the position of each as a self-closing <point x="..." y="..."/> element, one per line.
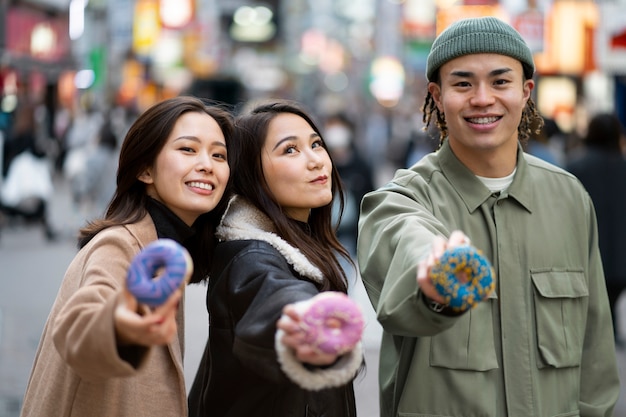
<point x="619" y="40"/>
<point x="33" y="33"/>
<point x="530" y="25"/>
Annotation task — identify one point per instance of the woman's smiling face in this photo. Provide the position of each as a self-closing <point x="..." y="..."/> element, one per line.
<point x="296" y="166"/>
<point x="191" y="172"/>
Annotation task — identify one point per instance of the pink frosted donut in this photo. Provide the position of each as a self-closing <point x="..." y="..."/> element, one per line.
<point x="333" y="323"/>
<point x="162" y="255"/>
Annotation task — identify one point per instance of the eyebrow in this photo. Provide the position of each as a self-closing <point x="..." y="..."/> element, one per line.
<point x="288" y="138"/>
<point x="195" y="139"/>
<point x="466" y="74"/>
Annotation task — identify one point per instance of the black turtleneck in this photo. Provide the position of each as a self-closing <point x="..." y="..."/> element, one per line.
<point x="306" y="227"/>
<point x="169" y="225"/>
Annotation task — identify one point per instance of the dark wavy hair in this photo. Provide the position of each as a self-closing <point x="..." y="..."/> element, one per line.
<point x="321" y="245"/>
<point x="141" y="146"/>
<point x="531" y="122"/>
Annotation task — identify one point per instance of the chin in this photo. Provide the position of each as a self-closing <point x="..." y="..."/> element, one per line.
<point x="322" y="203"/>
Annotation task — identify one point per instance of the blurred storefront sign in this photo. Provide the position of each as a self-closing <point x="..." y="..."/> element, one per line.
<point x="51" y="4"/>
<point x="611" y="39"/>
<point x="479" y="2"/>
<point x="557" y="99"/>
<point x="146" y="27"/>
<point x="203" y="40"/>
<point x="530" y="24"/>
<point x="418" y="30"/>
<point x="387" y="80"/>
<point x="418" y="19"/>
<point x="34" y="35"/>
<point x="447" y="16"/>
<point x="120" y="23"/>
<point x="176" y="14"/>
<point x="253" y="24"/>
<point x="569" y="47"/>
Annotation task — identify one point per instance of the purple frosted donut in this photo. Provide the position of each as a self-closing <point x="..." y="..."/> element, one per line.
<point x="333" y="323"/>
<point x="165" y="254"/>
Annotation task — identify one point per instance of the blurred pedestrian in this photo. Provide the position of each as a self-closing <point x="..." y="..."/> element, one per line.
<point x="102" y="354"/>
<point x="541" y="343"/>
<point x="21" y="136"/>
<point x="422" y="142"/>
<point x="94" y="187"/>
<point x="26" y="190"/>
<point x="539" y="143"/>
<point x="80" y="139"/>
<point x="277" y="249"/>
<point x="355" y="173"/>
<point x="602" y="170"/>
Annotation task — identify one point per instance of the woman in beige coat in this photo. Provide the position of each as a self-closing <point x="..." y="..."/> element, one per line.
<point x="102" y="353"/>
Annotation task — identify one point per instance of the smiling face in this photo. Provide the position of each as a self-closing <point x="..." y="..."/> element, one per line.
<point x="191" y="172"/>
<point x="482" y="97"/>
<point x="296" y="166"/>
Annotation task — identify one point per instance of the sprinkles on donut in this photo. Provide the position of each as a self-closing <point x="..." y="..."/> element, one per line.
<point x="461" y="296"/>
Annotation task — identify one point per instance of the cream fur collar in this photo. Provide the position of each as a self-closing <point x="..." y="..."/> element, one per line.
<point x="243" y="221"/>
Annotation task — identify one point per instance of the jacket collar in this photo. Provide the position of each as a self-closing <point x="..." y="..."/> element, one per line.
<point x="243" y="221"/>
<point x="472" y="190"/>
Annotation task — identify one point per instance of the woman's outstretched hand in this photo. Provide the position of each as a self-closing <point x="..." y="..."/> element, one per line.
<point x="137" y="324"/>
<point x="294" y="338"/>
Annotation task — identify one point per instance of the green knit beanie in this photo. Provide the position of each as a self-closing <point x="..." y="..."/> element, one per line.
<point x="481" y="35"/>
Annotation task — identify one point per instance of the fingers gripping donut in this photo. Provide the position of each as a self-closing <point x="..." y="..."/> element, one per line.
<point x="333" y="323"/>
<point x="461" y="296"/>
<point x="162" y="254"/>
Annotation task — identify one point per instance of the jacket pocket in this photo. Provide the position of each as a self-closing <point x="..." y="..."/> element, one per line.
<point x="469" y="344"/>
<point x="560" y="304"/>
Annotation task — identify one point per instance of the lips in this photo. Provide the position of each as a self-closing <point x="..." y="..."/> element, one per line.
<point x="321" y="178"/>
<point x="202" y="185"/>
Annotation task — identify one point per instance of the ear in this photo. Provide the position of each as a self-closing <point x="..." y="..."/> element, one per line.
<point x="435" y="91"/>
<point x="529" y="85"/>
<point x="145" y="176"/>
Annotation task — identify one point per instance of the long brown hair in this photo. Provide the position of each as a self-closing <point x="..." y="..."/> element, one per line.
<point x="141" y="146"/>
<point x="320" y="246"/>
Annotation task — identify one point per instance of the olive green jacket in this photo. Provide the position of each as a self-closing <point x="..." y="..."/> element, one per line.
<point x="542" y="345"/>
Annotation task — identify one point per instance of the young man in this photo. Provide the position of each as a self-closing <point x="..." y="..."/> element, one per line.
<point x="541" y="344"/>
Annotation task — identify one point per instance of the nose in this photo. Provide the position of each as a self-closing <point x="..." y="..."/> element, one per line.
<point x="204" y="162"/>
<point x="482" y="96"/>
<point x="316" y="159"/>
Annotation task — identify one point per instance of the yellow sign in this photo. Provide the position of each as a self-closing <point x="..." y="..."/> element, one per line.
<point x="146" y="26"/>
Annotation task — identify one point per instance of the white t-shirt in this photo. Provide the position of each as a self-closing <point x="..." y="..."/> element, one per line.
<point x="497" y="184"/>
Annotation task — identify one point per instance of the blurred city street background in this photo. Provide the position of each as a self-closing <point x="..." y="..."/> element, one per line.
<point x="74" y="74"/>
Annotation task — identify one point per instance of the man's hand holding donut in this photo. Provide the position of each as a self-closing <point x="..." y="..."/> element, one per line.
<point x="439" y="246"/>
<point x="455" y="274"/>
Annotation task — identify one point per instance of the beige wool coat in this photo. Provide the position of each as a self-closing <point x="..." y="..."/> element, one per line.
<point x="79" y="371"/>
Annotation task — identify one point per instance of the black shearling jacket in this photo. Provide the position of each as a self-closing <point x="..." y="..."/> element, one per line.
<point x="245" y="370"/>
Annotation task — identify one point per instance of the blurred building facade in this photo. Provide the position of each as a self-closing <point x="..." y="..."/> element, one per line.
<point x="363" y="57"/>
